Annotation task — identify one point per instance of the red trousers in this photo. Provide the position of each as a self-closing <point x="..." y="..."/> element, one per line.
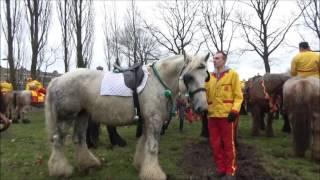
<point x="221" y="134"/>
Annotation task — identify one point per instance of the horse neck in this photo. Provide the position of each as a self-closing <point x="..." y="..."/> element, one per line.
<point x="169" y="70"/>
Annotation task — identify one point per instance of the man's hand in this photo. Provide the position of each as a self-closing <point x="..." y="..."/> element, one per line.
<point x="232" y="116"/>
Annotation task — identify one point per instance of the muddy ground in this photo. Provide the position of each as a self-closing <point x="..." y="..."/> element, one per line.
<point x="197" y="162"/>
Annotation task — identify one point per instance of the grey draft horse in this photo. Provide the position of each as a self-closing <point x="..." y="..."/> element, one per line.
<point x="73" y="97"/>
<point x="301" y="97"/>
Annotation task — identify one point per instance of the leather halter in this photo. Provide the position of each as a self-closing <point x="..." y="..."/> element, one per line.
<point x="191" y="93"/>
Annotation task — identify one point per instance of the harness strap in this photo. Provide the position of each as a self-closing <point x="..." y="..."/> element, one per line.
<point x="137" y="108"/>
<point x="195" y="91"/>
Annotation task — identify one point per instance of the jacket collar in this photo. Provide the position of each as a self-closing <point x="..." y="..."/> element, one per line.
<point x="219" y="75"/>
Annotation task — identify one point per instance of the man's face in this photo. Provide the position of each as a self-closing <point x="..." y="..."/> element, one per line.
<point x="218" y="60"/>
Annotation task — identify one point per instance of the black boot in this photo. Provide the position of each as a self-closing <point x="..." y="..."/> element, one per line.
<point x="115" y="138"/>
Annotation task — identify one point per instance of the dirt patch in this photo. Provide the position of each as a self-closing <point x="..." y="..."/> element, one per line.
<point x="197" y="162"/>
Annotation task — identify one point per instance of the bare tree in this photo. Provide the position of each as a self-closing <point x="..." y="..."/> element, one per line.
<point x="20" y="48"/>
<point x="64" y="8"/>
<point x="180" y="22"/>
<point x="10" y="27"/>
<point x="39" y="14"/>
<point x="47" y="58"/>
<point x="135" y="43"/>
<point x="311" y="15"/>
<point x="82" y="19"/>
<point x="218" y="30"/>
<point x="261" y="37"/>
<point x="111" y="35"/>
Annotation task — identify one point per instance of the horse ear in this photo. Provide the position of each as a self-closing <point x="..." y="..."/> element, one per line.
<point x="206" y="57"/>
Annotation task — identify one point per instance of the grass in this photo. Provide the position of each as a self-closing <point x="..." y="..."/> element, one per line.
<point x="277" y="154"/>
<point x="24" y="153"/>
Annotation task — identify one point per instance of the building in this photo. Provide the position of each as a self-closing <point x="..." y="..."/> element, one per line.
<point x="22" y="74"/>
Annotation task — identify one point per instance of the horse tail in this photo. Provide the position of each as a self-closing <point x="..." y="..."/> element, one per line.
<point x="50" y="114"/>
<point x="301" y="119"/>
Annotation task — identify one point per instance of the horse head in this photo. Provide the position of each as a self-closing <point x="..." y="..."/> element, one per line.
<point x="192" y="80"/>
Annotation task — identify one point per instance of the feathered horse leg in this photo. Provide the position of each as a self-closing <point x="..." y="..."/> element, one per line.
<point x="148" y="149"/>
<point x="58" y="164"/>
<point x="85" y="158"/>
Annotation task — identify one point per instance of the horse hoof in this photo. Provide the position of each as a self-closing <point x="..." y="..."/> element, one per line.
<point x="59" y="167"/>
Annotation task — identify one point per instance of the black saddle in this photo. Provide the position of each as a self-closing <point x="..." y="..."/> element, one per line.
<point x="132" y="76"/>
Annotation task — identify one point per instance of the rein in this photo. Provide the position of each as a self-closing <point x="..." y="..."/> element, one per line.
<point x="167" y="93"/>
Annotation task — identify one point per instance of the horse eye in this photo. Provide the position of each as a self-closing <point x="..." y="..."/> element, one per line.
<point x="201" y="66"/>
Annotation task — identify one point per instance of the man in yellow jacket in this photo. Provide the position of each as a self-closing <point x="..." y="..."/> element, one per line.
<point x="306" y="63"/>
<point x="6" y="87"/>
<point x="224" y="99"/>
<point x="37" y="90"/>
<point x="33" y="84"/>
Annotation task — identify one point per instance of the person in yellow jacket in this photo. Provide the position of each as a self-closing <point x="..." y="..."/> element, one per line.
<point x="33" y="84"/>
<point x="306" y="63"/>
<point x="224" y="97"/>
<point x="6" y="87"/>
<point x="37" y="90"/>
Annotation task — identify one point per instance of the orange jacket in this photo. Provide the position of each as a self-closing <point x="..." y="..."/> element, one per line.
<point x="306" y="64"/>
<point x="224" y="95"/>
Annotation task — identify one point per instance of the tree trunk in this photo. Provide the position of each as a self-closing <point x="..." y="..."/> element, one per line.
<point x="35" y="41"/>
<point x="266" y="64"/>
<point x="10" y="47"/>
<point x="80" y="60"/>
<point x="66" y="64"/>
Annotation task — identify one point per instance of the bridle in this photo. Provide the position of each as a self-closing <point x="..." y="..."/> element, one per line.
<point x="191" y="93"/>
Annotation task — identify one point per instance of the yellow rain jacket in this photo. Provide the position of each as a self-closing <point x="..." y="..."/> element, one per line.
<point x="306" y="64"/>
<point x="6" y="87"/>
<point x="33" y="85"/>
<point x="224" y="94"/>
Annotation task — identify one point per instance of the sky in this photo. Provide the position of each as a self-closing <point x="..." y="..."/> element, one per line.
<point x="247" y="65"/>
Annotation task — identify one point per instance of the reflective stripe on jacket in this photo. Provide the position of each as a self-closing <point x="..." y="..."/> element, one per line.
<point x="306" y="64"/>
<point x="224" y="94"/>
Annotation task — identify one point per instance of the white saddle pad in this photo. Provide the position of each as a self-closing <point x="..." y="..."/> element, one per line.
<point x="113" y="84"/>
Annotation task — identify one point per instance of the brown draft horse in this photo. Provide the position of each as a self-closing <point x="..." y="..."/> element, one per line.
<point x="263" y="94"/>
<point x="301" y="98"/>
<point x="4" y="121"/>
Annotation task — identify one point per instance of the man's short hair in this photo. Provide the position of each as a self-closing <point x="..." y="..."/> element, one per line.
<point x="100" y="68"/>
<point x="304" y="45"/>
<point x="225" y="56"/>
